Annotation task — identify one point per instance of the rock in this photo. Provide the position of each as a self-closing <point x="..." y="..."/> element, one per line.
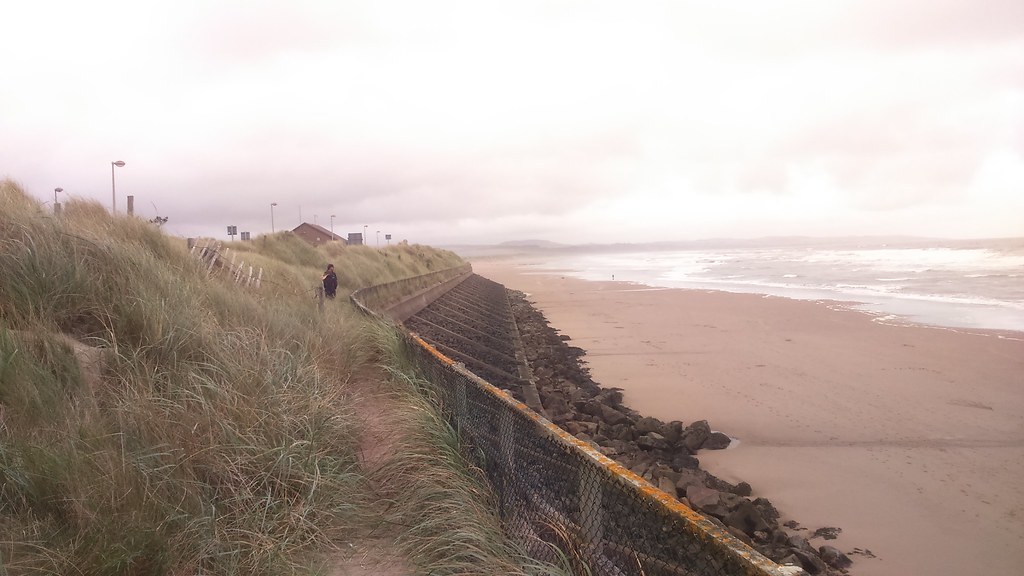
<point x="610" y="397"/>
<point x="689" y="478"/>
<point x="778" y="537"/>
<point x="810" y="561"/>
<point x="769" y="512"/>
<point x="695" y="435"/>
<point x="648" y="424"/>
<point x="590" y="407"/>
<point x="716" y="441"/>
<point x="684" y="462"/>
<point x="702" y="497"/>
<point x="667" y="486"/>
<point x="543" y="373"/>
<point x="664" y="471"/>
<point x="639" y="468"/>
<point x="789" y="560"/>
<point x="729" y="500"/>
<point x="834" y="558"/>
<point x="828" y="533"/>
<point x="799" y="543"/>
<point x="739" y="534"/>
<point x="612" y="416"/>
<point x="555" y="404"/>
<point x="747" y="518"/>
<point x="742" y="489"/>
<point x="577" y="427"/>
<point x="652" y="441"/>
<point x="673" y="431"/>
<point x="625" y="433"/>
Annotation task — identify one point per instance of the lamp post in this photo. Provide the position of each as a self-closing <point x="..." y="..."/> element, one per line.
<point x="365" y="226"/>
<point x="378" y="238"/>
<point x="55" y="190"/>
<point x="113" y="192"/>
<point x="272" y="204"/>
<point x="332" y="227"/>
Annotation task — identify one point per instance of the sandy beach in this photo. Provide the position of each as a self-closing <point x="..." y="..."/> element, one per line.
<point x="909" y="438"/>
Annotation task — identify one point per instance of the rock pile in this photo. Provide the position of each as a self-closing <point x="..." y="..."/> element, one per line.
<point x="663" y="453"/>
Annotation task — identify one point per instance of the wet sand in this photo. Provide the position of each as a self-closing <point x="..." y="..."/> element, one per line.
<point x="909" y="438"/>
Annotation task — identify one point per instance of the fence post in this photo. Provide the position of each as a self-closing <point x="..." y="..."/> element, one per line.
<point x="258" y="278"/>
<point x="213" y="259"/>
<point x="319" y="295"/>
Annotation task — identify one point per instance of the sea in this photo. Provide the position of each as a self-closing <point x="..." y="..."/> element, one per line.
<point x="976" y="284"/>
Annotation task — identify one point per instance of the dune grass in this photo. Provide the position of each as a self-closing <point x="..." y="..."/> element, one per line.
<point x="158" y="419"/>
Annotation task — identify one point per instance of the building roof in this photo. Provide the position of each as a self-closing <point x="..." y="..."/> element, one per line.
<point x="316" y="229"/>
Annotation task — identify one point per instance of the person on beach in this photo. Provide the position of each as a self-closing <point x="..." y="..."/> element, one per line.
<point x="330" y="280"/>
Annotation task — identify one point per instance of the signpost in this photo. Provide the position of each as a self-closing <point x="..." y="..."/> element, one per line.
<point x="232" y="230"/>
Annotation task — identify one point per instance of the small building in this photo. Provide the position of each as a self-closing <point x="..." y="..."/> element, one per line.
<point x="315" y="234"/>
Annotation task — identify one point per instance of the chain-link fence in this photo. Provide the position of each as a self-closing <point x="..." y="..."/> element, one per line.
<point x="556" y="492"/>
<point x="561" y="499"/>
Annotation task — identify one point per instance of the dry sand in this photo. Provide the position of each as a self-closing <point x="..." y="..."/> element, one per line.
<point x="910" y="439"/>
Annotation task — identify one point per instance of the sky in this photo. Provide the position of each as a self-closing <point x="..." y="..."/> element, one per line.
<point x="575" y="121"/>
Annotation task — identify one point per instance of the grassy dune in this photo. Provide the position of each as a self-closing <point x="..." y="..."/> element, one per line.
<point x="159" y="419"/>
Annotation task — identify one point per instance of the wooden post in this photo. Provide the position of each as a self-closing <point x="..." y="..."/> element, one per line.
<point x="258" y="278"/>
<point x="213" y="259"/>
<point x="319" y="295"/>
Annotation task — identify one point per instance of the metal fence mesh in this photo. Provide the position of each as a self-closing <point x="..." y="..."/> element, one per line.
<point x="556" y="492"/>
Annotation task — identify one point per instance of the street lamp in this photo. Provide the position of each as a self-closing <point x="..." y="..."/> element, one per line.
<point x="272" y="204"/>
<point x="332" y="227"/>
<point x="365" y="226"/>
<point x="113" y="193"/>
<point x="55" y="190"/>
<point x="378" y="238"/>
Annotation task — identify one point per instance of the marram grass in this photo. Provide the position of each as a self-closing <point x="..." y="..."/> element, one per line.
<point x="159" y="419"/>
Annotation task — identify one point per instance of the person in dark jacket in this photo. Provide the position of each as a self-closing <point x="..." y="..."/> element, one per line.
<point x="330" y="280"/>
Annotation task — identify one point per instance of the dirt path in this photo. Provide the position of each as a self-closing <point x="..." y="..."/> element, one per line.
<point x="374" y="554"/>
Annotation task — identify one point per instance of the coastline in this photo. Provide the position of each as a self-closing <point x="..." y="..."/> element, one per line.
<point x="910" y="439"/>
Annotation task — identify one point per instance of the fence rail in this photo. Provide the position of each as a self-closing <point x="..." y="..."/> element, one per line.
<point x="556" y="492"/>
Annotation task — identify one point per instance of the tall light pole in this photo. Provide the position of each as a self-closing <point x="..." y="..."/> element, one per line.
<point x="365" y="226"/>
<point x="272" y="204"/>
<point x="113" y="192"/>
<point x="55" y="190"/>
<point x="332" y="227"/>
<point x="378" y="238"/>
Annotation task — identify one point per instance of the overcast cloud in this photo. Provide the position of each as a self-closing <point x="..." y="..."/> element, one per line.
<point x="482" y="121"/>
